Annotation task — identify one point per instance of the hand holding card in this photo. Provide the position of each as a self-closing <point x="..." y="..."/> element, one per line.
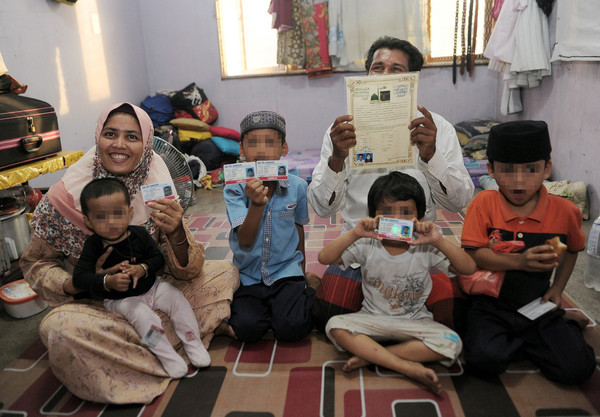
<point x="535" y="309"/>
<point x="263" y="170"/>
<point x="239" y="173"/>
<point x="153" y="192"/>
<point x="395" y="229"/>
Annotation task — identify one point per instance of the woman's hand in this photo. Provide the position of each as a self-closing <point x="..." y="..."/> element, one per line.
<point x="168" y="216"/>
<point x="113" y="269"/>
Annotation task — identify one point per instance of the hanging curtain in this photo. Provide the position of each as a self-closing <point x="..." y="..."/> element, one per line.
<point x="355" y="24"/>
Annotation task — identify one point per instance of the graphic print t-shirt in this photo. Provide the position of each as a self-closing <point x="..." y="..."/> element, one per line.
<point x="395" y="285"/>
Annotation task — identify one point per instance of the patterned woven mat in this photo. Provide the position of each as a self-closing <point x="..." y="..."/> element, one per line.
<point x="304" y="379"/>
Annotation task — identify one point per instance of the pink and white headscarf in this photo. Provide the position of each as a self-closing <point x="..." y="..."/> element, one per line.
<point x="58" y="219"/>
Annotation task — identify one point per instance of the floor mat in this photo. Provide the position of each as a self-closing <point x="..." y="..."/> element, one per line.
<point x="304" y="379"/>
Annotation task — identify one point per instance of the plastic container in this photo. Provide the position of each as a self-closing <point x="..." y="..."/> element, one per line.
<point x="20" y="300"/>
<point x="592" y="273"/>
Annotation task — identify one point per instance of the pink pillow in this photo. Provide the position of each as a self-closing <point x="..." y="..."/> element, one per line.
<point x="225" y="132"/>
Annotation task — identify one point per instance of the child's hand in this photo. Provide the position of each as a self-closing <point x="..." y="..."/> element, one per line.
<point x="118" y="282"/>
<point x="257" y="192"/>
<point x="553" y="295"/>
<point x="135" y="272"/>
<point x="366" y="227"/>
<point x="427" y="233"/>
<point x="538" y="259"/>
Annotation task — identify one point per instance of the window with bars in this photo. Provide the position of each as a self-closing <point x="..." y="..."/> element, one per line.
<point x="248" y="44"/>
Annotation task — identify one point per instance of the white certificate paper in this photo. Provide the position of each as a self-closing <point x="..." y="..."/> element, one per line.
<point x="383" y="106"/>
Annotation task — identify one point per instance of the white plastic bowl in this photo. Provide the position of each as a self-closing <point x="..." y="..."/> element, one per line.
<point x="20" y="300"/>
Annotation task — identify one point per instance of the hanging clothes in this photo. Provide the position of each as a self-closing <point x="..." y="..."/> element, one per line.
<point x="290" y="43"/>
<point x="355" y="24"/>
<point x="577" y="31"/>
<point x="281" y="10"/>
<point x="315" y="26"/>
<point x="519" y="47"/>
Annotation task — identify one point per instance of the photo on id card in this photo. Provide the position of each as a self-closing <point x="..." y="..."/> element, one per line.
<point x="395" y="229"/>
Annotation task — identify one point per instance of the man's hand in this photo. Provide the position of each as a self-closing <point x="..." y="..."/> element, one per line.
<point x="423" y="134"/>
<point x="257" y="192"/>
<point x="343" y="139"/>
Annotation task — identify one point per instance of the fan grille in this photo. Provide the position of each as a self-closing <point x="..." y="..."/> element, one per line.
<point x="178" y="168"/>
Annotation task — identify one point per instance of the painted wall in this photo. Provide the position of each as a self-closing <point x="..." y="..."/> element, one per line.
<point x="79" y="58"/>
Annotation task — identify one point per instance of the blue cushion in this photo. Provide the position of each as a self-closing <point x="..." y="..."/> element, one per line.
<point x="227" y="146"/>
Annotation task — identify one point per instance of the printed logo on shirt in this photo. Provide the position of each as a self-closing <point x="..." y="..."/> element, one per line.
<point x="402" y="293"/>
<point x="451" y="336"/>
<point x="291" y="206"/>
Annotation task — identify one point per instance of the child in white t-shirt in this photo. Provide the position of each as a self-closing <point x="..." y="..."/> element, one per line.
<point x="396" y="284"/>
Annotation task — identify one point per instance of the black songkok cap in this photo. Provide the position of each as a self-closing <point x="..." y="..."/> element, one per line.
<point x="262" y="120"/>
<point x="519" y="142"/>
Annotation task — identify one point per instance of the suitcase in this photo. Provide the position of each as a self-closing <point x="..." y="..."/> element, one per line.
<point x="28" y="130"/>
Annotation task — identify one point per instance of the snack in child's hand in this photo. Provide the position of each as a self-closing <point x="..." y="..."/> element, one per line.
<point x="558" y="247"/>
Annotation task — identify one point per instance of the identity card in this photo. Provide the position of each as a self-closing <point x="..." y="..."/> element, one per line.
<point x="395" y="229"/>
<point x="272" y="170"/>
<point x="239" y="173"/>
<point x="153" y="192"/>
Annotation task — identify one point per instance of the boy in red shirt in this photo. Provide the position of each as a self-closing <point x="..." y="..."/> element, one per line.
<point x="521" y="209"/>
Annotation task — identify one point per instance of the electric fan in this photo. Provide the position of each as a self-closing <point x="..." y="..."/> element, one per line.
<point x="178" y="168"/>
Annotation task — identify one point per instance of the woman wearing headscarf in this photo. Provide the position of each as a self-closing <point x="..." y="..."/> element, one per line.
<point x="96" y="354"/>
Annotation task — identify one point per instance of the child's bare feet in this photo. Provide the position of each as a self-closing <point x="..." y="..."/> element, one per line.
<point x="413" y="370"/>
<point x="576" y="315"/>
<point x="354" y="363"/>
<point x="225" y="329"/>
<point x="425" y="376"/>
<point x="313" y="280"/>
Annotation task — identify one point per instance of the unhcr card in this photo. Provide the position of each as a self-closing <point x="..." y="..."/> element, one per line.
<point x="239" y="173"/>
<point x="395" y="229"/>
<point x="153" y="192"/>
<point x="272" y="170"/>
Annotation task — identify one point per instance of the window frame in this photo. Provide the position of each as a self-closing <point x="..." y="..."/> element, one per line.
<point x="447" y="61"/>
<point x="283" y="70"/>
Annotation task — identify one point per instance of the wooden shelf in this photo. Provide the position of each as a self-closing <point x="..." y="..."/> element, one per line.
<point x="14" y="176"/>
